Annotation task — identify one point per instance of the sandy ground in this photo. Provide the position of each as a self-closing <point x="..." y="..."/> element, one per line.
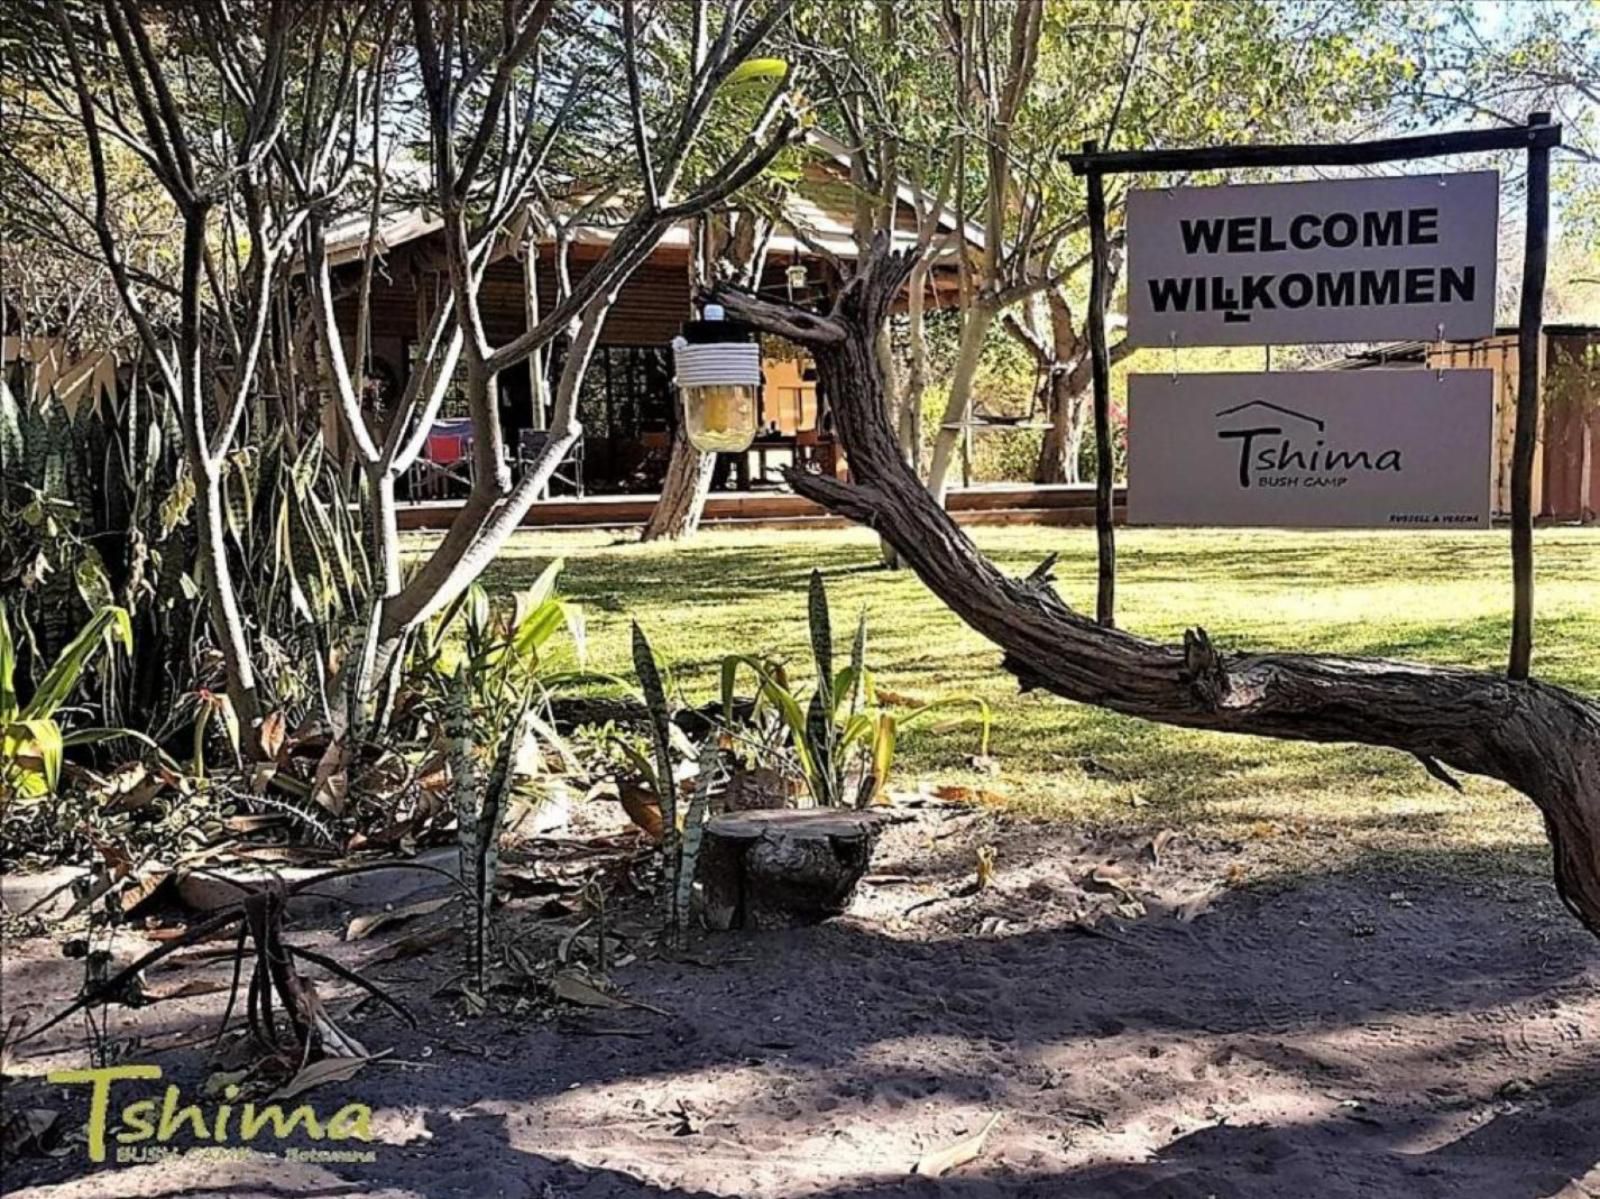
<point x="1165" y="1032"/>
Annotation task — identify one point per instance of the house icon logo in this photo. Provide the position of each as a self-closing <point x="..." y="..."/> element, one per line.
<point x="1268" y="405"/>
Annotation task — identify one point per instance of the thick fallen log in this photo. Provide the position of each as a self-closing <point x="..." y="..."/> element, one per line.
<point x="1541" y="739"/>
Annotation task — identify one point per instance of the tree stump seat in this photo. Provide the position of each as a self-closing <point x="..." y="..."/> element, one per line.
<point x="783" y="868"/>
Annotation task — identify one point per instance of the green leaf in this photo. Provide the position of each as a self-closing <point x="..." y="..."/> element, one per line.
<point x="859" y="684"/>
<point x="753" y="70"/>
<point x="642" y="765"/>
<point x="544" y="587"/>
<point x="655" y="699"/>
<point x="109" y="626"/>
<point x="536" y="628"/>
<point x="8" y="667"/>
<point x="821" y="632"/>
<point x="883" y="746"/>
<point x="31" y="738"/>
<point x="954" y="701"/>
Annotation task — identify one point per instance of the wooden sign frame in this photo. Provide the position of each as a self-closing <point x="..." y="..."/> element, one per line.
<point x="1537" y="138"/>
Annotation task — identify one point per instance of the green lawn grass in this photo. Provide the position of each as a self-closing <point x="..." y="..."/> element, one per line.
<point x="1428" y="597"/>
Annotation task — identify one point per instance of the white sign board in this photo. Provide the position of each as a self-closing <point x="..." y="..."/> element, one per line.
<point x="1364" y="449"/>
<point x="1325" y="261"/>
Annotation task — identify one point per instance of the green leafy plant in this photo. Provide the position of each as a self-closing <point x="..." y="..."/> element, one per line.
<point x="840" y="739"/>
<point x="481" y="802"/>
<point x="32" y="742"/>
<point x="489" y="691"/>
<point x="502" y="650"/>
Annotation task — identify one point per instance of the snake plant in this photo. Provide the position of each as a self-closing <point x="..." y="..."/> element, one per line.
<point x="32" y="742"/>
<point x="840" y="739"/>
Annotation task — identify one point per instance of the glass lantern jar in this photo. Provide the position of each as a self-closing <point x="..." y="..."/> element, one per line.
<point x="718" y="372"/>
<point x="720" y="418"/>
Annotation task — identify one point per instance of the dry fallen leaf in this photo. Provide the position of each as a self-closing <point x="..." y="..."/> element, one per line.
<point x="1111" y="876"/>
<point x="186" y="989"/>
<point x="642" y="809"/>
<point x="1194" y="907"/>
<point x="273" y="730"/>
<point x="331" y="787"/>
<point x="1157" y="845"/>
<point x="142" y="886"/>
<point x="217" y="1083"/>
<point x="328" y="1069"/>
<point x="985" y="866"/>
<point x="893" y="699"/>
<point x="365" y="926"/>
<point x="415" y="945"/>
<point x="942" y="1161"/>
<point x="572" y="987"/>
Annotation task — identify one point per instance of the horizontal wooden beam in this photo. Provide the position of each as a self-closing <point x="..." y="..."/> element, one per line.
<point x="1538" y="132"/>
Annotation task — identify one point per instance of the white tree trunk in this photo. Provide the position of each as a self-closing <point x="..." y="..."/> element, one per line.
<point x="957" y="412"/>
<point x="683" y="492"/>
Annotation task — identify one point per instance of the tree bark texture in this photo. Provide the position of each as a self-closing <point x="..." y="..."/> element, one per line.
<point x="683" y="491"/>
<point x="778" y="869"/>
<point x="1541" y="739"/>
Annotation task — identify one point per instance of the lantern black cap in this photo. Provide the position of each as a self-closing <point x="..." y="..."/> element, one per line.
<point x="705" y="333"/>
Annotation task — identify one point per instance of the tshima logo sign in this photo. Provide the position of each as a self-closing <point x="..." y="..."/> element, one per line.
<point x="152" y="1129"/>
<point x="1279" y="447"/>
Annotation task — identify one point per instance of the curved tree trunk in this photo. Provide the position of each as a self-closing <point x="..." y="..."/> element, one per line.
<point x="1541" y="739"/>
<point x="683" y="492"/>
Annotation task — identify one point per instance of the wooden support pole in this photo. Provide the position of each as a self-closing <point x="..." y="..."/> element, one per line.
<point x="1530" y="333"/>
<point x="1105" y="536"/>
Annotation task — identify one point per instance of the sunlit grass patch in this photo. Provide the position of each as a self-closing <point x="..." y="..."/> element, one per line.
<point x="1442" y="598"/>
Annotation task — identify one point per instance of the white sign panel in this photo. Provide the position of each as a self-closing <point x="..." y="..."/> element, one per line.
<point x="1365" y="449"/>
<point x="1326" y="261"/>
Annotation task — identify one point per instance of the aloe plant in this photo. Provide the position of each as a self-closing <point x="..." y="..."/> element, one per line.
<point x="840" y="740"/>
<point x="32" y="743"/>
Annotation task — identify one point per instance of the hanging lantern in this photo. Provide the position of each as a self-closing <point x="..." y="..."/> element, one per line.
<point x="718" y="368"/>
<point x="795" y="276"/>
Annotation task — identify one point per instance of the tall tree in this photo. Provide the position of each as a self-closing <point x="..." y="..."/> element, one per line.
<point x="484" y="159"/>
<point x="263" y="124"/>
<point x="1043" y="79"/>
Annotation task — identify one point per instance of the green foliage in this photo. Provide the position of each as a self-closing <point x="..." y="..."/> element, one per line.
<point x="839" y="738"/>
<point x="80" y="529"/>
<point x="481" y="803"/>
<point x="502" y="652"/>
<point x="31" y="738"/>
<point x="681" y="838"/>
